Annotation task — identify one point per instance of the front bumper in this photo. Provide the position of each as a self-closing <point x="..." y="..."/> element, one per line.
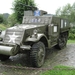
<point x="9" y="50"/>
<point x="12" y="49"/>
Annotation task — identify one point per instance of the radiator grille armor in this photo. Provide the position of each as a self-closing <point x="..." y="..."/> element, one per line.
<point x="13" y="36"/>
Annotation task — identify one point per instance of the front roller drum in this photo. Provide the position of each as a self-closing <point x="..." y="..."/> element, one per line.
<point x="8" y="50"/>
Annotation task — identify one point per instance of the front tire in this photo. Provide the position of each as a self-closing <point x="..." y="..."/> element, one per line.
<point x="37" y="54"/>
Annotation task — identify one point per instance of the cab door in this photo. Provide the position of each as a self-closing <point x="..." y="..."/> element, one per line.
<point x="53" y="34"/>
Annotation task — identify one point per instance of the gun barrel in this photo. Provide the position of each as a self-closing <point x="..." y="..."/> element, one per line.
<point x="35" y="8"/>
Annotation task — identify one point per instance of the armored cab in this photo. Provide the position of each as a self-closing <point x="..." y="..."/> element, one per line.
<point x="37" y="32"/>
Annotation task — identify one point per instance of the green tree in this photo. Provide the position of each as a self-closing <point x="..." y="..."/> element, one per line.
<point x="67" y="11"/>
<point x="18" y="7"/>
<point x="5" y="17"/>
<point x="12" y="20"/>
<point x="1" y="18"/>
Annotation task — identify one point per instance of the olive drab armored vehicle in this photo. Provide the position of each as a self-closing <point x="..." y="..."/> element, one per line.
<point x="37" y="32"/>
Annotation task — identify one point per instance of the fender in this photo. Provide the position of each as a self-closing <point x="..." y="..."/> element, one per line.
<point x="39" y="36"/>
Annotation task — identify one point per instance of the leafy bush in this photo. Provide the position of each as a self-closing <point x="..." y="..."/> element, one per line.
<point x="72" y="34"/>
<point x="1" y="18"/>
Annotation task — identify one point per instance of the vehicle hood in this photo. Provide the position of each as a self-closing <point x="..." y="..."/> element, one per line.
<point x="23" y="26"/>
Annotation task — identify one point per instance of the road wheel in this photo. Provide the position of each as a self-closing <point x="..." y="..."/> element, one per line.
<point x="62" y="41"/>
<point x="3" y="57"/>
<point x="37" y="54"/>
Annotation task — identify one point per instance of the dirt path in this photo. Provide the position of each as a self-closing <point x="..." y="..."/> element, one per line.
<point x="53" y="58"/>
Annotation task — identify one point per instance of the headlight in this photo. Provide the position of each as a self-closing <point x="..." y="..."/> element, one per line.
<point x="35" y="33"/>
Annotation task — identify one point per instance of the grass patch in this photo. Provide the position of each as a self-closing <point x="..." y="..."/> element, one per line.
<point x="71" y="41"/>
<point x="60" y="70"/>
<point x="2" y="27"/>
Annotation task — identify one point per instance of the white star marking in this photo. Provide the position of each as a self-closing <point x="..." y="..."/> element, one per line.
<point x="12" y="37"/>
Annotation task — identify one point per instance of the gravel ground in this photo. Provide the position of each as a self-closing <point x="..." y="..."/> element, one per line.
<point x="54" y="57"/>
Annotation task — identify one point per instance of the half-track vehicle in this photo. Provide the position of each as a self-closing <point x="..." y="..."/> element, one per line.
<point x="37" y="32"/>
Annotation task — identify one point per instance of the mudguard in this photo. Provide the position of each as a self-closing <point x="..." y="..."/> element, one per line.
<point x="33" y="39"/>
